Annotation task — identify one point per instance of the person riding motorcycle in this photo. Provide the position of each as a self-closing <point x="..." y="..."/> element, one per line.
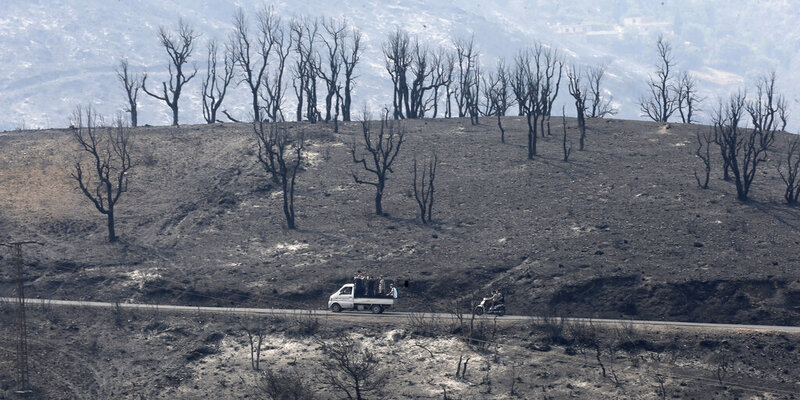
<point x="495" y="299"/>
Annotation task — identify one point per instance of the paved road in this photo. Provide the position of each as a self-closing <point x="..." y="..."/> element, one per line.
<point x="397" y="315"/>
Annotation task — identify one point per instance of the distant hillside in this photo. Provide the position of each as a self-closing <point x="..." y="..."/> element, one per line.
<point x="620" y="230"/>
<point x="56" y="55"/>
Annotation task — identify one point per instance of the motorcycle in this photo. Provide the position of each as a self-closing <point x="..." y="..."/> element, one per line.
<point x="498" y="309"/>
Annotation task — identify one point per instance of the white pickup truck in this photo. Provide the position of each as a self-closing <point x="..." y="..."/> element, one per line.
<point x="343" y="299"/>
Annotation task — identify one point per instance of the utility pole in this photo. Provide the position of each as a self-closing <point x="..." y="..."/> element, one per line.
<point x="22" y="329"/>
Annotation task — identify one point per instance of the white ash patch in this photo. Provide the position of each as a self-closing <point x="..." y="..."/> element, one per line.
<point x="578" y="230"/>
<point x="140" y="278"/>
<point x="290" y="247"/>
<point x="312" y="158"/>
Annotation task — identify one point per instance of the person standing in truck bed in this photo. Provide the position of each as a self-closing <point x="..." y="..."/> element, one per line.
<point x="370" y="287"/>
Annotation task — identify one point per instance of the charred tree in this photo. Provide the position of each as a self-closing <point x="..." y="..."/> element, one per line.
<point x="131" y="84"/>
<point x="333" y="41"/>
<point x="179" y="49"/>
<point x="744" y="150"/>
<point x="442" y="75"/>
<point x="449" y="71"/>
<point x="600" y="106"/>
<point x="792" y="162"/>
<point x="351" y="369"/>
<point x="280" y="154"/>
<point x="467" y="79"/>
<point x="304" y="79"/>
<point x="398" y="60"/>
<point x="579" y="93"/>
<point x="567" y="150"/>
<point x="273" y="87"/>
<point x="725" y="120"/>
<point x="497" y="95"/>
<point x="382" y="148"/>
<point x="108" y="150"/>
<point x="215" y="86"/>
<point x="351" y="55"/>
<point x="527" y="88"/>
<point x="703" y="152"/>
<point x="552" y="65"/>
<point x="660" y="103"/>
<point x="421" y="81"/>
<point x="253" y="51"/>
<point x="424" y="187"/>
<point x="687" y="100"/>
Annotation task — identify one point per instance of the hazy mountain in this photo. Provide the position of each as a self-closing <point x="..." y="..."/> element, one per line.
<point x="56" y="54"/>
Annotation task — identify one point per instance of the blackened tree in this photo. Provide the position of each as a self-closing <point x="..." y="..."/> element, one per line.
<point x="108" y="150"/>
<point x="351" y="55"/>
<point x="552" y="66"/>
<point x="215" y="86"/>
<point x="351" y="368"/>
<point x="273" y="88"/>
<point x="397" y="61"/>
<point x="179" y="48"/>
<point x="381" y="149"/>
<point x="304" y="74"/>
<point x="253" y="51"/>
<point x="789" y="178"/>
<point x="744" y="150"/>
<point x="526" y="85"/>
<point x="131" y="83"/>
<point x="424" y="187"/>
<point x="687" y="99"/>
<point x="600" y="106"/>
<point x="333" y="40"/>
<point x="497" y="95"/>
<point x="467" y="79"/>
<point x="703" y="152"/>
<point x="661" y="100"/>
<point x="421" y="81"/>
<point x="442" y="67"/>
<point x="280" y="154"/>
<point x="567" y="149"/>
<point x="579" y="93"/>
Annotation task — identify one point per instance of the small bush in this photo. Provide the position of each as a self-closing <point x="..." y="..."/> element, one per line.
<point x="421" y="325"/>
<point x="284" y="384"/>
<point x="304" y="325"/>
<point x="553" y="329"/>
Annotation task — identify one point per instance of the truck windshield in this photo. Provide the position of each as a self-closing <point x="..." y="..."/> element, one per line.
<point x="346" y="290"/>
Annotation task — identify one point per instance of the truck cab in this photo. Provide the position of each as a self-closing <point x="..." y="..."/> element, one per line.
<point x="345" y="299"/>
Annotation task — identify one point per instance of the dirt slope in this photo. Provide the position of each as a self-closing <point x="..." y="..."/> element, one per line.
<point x="620" y="230"/>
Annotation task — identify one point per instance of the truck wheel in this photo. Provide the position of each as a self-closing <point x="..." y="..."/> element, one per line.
<point x="335" y="307"/>
<point x="376" y="309"/>
<point x="478" y="310"/>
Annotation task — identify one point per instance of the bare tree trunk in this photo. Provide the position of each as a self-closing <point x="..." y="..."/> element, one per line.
<point x="661" y="101"/>
<point x="112" y="233"/>
<point x="109" y="152"/>
<point x="383" y="148"/>
<point x="179" y="50"/>
<point x="564" y="138"/>
<point x="131" y="84"/>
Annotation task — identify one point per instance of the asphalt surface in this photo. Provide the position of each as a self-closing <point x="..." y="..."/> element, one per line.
<point x="366" y="315"/>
